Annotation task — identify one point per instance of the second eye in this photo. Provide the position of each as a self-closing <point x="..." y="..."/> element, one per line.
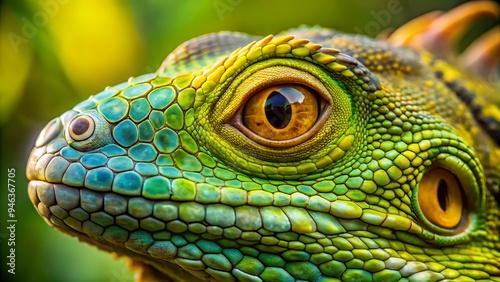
<point x="281" y="112"/>
<point x="81" y="128"/>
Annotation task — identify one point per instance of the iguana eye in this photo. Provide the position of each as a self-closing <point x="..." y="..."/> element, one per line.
<point x="281" y="112"/>
<point x="283" y="108"/>
<point x="440" y="197"/>
<point x="81" y="128"/>
<point x="87" y="131"/>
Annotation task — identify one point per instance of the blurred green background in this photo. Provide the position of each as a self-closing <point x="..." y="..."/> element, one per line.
<point x="55" y="53"/>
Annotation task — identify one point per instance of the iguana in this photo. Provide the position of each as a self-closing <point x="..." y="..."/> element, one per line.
<point x="311" y="155"/>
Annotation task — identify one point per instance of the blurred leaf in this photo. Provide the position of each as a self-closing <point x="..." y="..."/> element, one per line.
<point x="97" y="45"/>
<point x="16" y="57"/>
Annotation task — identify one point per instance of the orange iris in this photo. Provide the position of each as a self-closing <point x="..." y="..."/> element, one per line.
<point x="281" y="112"/>
<point x="440" y="198"/>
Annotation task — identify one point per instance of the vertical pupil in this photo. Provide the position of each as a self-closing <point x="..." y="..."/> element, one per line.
<point x="278" y="110"/>
<point x="80" y="126"/>
<point x="442" y="194"/>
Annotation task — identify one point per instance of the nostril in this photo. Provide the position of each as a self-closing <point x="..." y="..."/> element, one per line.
<point x="51" y="131"/>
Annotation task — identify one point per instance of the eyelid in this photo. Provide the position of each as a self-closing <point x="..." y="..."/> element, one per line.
<point x="473" y="200"/>
<point x="274" y="76"/>
<point x="227" y="99"/>
<point x="100" y="133"/>
<point x="264" y="78"/>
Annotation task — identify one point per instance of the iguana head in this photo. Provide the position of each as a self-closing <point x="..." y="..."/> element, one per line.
<point x="307" y="155"/>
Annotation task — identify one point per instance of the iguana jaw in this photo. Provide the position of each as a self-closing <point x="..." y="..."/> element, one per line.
<point x="42" y="196"/>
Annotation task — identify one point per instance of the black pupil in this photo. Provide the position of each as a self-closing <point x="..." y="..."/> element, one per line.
<point x="80" y="126"/>
<point x="278" y="110"/>
<point x="442" y="194"/>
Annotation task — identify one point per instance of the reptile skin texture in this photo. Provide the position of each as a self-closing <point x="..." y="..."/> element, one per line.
<point x="310" y="155"/>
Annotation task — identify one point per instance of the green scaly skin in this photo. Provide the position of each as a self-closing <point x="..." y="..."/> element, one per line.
<point x="168" y="179"/>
